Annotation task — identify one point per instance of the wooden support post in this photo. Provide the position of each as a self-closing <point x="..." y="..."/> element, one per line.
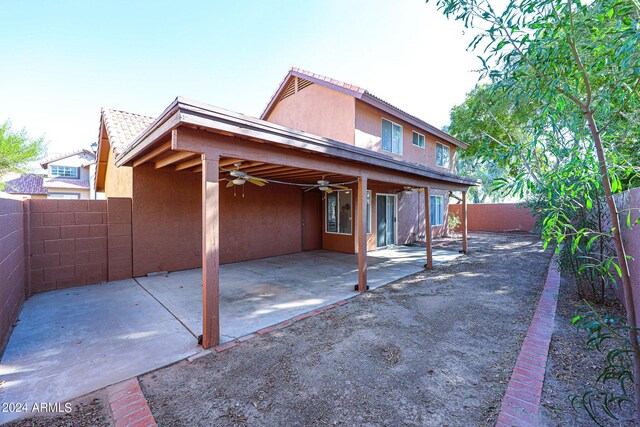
<point x="210" y="251"/>
<point x="361" y="234"/>
<point x="464" y="221"/>
<point x="427" y="234"/>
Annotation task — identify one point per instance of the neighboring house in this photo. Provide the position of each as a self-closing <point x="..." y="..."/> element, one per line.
<point x="350" y="114"/>
<point x="28" y="186"/>
<point x="68" y="175"/>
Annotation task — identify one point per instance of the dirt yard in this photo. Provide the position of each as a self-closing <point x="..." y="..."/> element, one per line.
<point x="431" y="349"/>
<point x="572" y="367"/>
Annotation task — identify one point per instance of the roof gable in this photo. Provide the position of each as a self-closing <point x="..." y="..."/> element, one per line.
<point x="358" y="93"/>
<point x="117" y="130"/>
<point x="82" y="152"/>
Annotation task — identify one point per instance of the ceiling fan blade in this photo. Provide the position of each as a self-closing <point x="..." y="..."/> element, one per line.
<point x="328" y="190"/>
<point x="257" y="178"/>
<point x="308" y="189"/>
<point x="420" y="190"/>
<point x="230" y="184"/>
<point x="341" y="187"/>
<point x="258" y="182"/>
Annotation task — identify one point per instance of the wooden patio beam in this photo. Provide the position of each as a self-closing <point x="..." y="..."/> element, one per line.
<point x="261" y="168"/>
<point x="173" y="158"/>
<point x="463" y="212"/>
<point x="427" y="221"/>
<point x="189" y="164"/>
<point x="210" y="251"/>
<point x="161" y="149"/>
<point x="361" y="233"/>
<point x="228" y="162"/>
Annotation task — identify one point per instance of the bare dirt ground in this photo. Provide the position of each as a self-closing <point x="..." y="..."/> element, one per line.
<point x="433" y="349"/>
<point x="436" y="348"/>
<point x="90" y="410"/>
<point x="572" y="367"/>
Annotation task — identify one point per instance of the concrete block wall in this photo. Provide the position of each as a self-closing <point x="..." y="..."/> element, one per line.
<point x="496" y="217"/>
<point x="12" y="265"/>
<point x="119" y="240"/>
<point x="69" y="242"/>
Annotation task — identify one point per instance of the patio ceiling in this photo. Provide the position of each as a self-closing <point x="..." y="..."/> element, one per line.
<point x="164" y="157"/>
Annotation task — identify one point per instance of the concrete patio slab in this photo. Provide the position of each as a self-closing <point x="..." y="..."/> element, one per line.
<point x="258" y="293"/>
<point x="74" y="341"/>
<point x="70" y="342"/>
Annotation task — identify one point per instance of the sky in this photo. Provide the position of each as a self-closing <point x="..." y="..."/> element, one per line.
<point x="64" y="60"/>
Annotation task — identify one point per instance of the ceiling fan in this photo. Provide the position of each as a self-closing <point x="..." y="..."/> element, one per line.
<point x="326" y="186"/>
<point x="239" y="178"/>
<point x="408" y="189"/>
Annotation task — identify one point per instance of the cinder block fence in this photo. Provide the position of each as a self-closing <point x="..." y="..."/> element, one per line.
<point x="55" y="244"/>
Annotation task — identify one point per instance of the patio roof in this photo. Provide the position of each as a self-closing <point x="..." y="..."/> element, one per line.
<point x="194" y="114"/>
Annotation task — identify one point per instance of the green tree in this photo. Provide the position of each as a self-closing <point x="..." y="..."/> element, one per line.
<point x="17" y="149"/>
<point x="575" y="66"/>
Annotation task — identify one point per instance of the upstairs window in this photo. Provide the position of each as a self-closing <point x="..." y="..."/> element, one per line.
<point x="442" y="155"/>
<point x="418" y="139"/>
<point x="64" y="171"/>
<point x="391" y="137"/>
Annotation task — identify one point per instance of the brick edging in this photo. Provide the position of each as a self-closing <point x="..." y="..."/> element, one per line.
<point x="521" y="401"/>
<point x="129" y="408"/>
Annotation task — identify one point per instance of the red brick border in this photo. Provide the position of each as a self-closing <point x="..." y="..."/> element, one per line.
<point x="129" y="406"/>
<point x="521" y="402"/>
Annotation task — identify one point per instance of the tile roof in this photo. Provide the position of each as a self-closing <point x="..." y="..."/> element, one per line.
<point x="123" y="127"/>
<point x="26" y="184"/>
<point x="56" y="157"/>
<point x="362" y="94"/>
<point x="57" y="182"/>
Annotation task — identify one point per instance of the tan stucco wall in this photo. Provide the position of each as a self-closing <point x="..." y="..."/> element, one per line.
<point x="118" y="181"/>
<point x="165" y="220"/>
<point x="368" y="133"/>
<point x="167" y="228"/>
<point x="318" y="110"/>
<point x="411" y="219"/>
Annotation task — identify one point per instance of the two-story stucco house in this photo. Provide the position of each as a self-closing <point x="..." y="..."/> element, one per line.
<point x="328" y="167"/>
<point x="68" y="175"/>
<point x="350" y="114"/>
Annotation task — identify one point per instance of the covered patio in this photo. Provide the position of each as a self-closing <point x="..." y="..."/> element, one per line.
<point x="73" y="341"/>
<point x="196" y="147"/>
<point x="259" y="293"/>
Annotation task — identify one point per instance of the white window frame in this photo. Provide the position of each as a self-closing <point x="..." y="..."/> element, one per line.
<point x="424" y="140"/>
<point x="326" y="213"/>
<point x="399" y="153"/>
<point x="69" y="196"/>
<point x="76" y="174"/>
<point x="431" y="209"/>
<point x="448" y="149"/>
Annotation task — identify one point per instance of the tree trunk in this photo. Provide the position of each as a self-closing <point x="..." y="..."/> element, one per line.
<point x="621" y="255"/>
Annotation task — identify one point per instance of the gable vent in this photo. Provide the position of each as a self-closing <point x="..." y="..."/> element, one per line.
<point x="290" y="90"/>
<point x="302" y="83"/>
